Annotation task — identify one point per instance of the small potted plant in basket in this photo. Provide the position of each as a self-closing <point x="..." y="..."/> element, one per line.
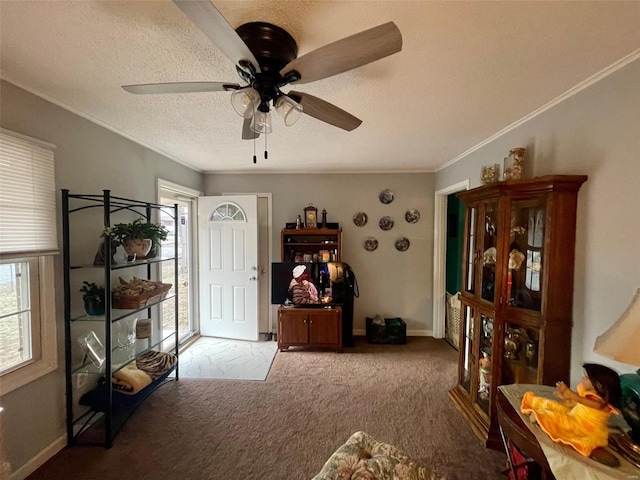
<point x="94" y="298"/>
<point x="137" y="237"/>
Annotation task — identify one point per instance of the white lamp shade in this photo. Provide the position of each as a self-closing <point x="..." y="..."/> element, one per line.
<point x="261" y="122"/>
<point x="622" y="341"/>
<point x="289" y="110"/>
<point x="245" y="101"/>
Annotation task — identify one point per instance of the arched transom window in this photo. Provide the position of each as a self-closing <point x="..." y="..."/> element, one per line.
<point x="228" y="212"/>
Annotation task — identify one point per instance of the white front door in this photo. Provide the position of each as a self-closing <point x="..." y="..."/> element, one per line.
<point x="228" y="234"/>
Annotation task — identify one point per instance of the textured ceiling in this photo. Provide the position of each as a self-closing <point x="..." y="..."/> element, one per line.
<point x="467" y="70"/>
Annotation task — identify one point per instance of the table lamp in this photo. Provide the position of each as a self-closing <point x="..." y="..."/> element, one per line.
<point x="621" y="342"/>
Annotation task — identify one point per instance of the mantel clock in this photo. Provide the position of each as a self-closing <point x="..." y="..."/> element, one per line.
<point x="311" y="217"/>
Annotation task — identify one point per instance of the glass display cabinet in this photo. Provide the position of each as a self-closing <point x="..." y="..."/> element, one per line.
<point x="517" y="294"/>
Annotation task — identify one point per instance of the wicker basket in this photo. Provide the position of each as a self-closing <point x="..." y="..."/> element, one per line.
<point x="452" y="330"/>
<point x="145" y="299"/>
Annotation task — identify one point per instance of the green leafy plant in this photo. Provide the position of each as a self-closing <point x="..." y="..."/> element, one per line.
<point x="139" y="229"/>
<point x="92" y="291"/>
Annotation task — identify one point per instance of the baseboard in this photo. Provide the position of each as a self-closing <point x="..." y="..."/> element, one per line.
<point x="410" y="333"/>
<point x="40" y="459"/>
<point x="419" y="333"/>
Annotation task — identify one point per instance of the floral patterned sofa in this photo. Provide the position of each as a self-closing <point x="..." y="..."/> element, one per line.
<point x="365" y="458"/>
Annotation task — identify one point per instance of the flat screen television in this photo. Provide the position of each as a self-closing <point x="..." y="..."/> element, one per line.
<point x="281" y="282"/>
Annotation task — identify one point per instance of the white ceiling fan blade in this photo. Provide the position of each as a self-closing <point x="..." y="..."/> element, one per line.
<point x="346" y="54"/>
<point x="180" y="87"/>
<point x="325" y="111"/>
<point x="211" y="22"/>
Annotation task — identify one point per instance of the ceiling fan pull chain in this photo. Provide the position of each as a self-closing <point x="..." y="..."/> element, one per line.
<point x="255" y="160"/>
<point x="266" y="155"/>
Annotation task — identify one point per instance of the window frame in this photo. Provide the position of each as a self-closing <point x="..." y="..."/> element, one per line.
<point x="221" y="213"/>
<point x="43" y="336"/>
<point x="33" y="309"/>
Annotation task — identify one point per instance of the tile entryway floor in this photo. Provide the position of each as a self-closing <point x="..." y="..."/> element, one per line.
<point x="210" y="357"/>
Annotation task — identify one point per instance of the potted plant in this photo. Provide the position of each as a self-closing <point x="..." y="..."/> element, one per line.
<point x="137" y="237"/>
<point x="94" y="298"/>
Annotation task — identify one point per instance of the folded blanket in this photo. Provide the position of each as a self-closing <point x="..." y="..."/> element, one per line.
<point x="130" y="379"/>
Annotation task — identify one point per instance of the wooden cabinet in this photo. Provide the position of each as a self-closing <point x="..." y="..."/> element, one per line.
<point x="517" y="292"/>
<point x="310" y="241"/>
<point x="310" y="327"/>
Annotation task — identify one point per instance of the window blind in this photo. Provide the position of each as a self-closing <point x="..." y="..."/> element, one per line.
<point x="27" y="196"/>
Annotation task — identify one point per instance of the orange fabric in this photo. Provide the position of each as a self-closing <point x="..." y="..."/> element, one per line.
<point x="581" y="427"/>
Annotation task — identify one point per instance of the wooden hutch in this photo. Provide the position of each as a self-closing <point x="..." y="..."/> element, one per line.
<point x="517" y="294"/>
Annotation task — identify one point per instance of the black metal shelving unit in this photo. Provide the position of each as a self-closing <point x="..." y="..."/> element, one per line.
<point x="100" y="425"/>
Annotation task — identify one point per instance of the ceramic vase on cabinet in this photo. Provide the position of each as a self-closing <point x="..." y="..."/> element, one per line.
<point x="514" y="163"/>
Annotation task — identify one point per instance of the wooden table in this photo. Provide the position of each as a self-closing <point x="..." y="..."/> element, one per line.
<point x="513" y="429"/>
<point x="601" y="464"/>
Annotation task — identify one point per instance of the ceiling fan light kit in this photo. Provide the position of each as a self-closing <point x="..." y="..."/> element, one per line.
<point x="245" y="101"/>
<point x="261" y="122"/>
<point x="266" y="58"/>
<point x="288" y="109"/>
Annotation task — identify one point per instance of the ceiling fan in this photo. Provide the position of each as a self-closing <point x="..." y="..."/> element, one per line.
<point x="266" y="58"/>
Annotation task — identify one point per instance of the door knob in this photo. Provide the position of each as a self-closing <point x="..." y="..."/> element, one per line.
<point x="253" y="279"/>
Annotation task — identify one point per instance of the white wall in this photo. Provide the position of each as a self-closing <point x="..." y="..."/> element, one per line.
<point x="89" y="158"/>
<point x="595" y="132"/>
<point x="392" y="283"/>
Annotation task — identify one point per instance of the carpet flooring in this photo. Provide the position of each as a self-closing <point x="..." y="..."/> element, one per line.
<point x="286" y="427"/>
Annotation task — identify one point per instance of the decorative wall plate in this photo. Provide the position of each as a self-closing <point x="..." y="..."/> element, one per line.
<point x="402" y="244"/>
<point x="386" y="223"/>
<point x="386" y="196"/>
<point x="360" y="219"/>
<point x="412" y="215"/>
<point x="370" y="244"/>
